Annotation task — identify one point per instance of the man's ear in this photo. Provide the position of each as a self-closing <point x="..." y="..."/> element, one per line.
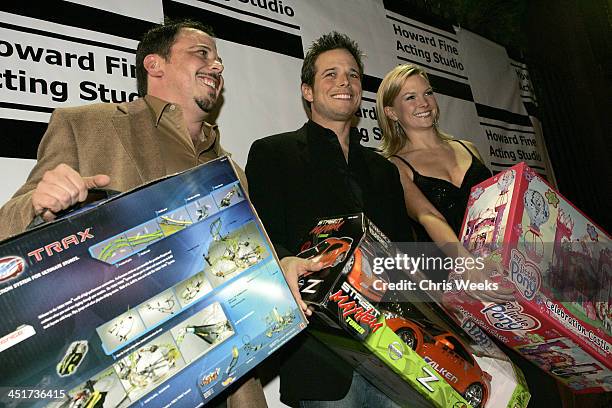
<point x="390" y="113"/>
<point x="307" y="92"/>
<point x="154" y="64"/>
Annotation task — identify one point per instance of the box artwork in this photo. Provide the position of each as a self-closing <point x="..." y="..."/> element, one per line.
<point x="405" y="345"/>
<point x="561" y="265"/>
<point x="161" y="296"/>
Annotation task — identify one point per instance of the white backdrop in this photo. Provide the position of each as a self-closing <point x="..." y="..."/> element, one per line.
<point x="51" y="61"/>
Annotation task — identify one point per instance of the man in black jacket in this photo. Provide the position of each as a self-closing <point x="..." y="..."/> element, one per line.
<point x="322" y="170"/>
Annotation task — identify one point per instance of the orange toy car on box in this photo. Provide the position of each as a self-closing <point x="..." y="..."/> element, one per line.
<point x="330" y="251"/>
<point x="448" y="355"/>
<point x="362" y="278"/>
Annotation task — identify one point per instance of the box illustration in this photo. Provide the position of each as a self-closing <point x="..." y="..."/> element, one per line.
<point x="559" y="261"/>
<point x="163" y="295"/>
<point x="400" y="340"/>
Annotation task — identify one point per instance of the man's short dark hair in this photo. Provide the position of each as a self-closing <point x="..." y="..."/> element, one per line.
<point x="158" y="41"/>
<point x="328" y="42"/>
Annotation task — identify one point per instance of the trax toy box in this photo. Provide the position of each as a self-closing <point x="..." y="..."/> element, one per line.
<point x="404" y="348"/>
<point x="161" y="296"/>
<point x="560" y="264"/>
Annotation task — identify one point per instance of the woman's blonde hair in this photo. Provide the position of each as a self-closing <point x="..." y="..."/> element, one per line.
<point x="393" y="136"/>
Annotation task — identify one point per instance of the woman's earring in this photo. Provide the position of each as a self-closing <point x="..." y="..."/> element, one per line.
<point x="398" y="128"/>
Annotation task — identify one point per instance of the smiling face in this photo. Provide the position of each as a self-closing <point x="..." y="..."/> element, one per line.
<point x="336" y="93"/>
<point x="192" y="73"/>
<point x="415" y="106"/>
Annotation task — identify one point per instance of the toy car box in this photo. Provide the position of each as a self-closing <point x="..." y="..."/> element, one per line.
<point x="161" y="296"/>
<point x="401" y="342"/>
<point x="561" y="266"/>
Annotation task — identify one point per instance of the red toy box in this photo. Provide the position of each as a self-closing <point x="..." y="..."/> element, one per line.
<point x="560" y="263"/>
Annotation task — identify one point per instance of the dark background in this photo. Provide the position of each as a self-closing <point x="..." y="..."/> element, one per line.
<point x="567" y="45"/>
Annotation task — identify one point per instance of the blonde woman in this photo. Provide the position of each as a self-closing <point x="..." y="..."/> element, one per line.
<point x="436" y="170"/>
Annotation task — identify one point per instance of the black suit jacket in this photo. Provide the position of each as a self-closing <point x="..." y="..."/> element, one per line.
<point x="292" y="182"/>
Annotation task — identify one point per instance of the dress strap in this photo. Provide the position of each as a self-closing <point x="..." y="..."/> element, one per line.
<point x="466" y="148"/>
<point x="406" y="163"/>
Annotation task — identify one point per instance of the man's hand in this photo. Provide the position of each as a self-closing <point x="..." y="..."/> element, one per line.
<point x="293" y="268"/>
<point x="480" y="275"/>
<point x="61" y="188"/>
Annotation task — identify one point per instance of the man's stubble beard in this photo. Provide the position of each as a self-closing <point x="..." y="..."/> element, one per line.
<point x="207" y="104"/>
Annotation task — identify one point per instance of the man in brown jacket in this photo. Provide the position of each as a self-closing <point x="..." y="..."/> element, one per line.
<point x="121" y="146"/>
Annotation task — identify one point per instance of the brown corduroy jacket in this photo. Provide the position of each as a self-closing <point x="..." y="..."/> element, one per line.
<point x="118" y="140"/>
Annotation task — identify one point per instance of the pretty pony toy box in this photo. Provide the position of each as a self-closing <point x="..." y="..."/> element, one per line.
<point x="560" y="264"/>
<point x="161" y="296"/>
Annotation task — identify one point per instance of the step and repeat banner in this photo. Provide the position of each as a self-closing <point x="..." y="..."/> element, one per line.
<point x="68" y="53"/>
